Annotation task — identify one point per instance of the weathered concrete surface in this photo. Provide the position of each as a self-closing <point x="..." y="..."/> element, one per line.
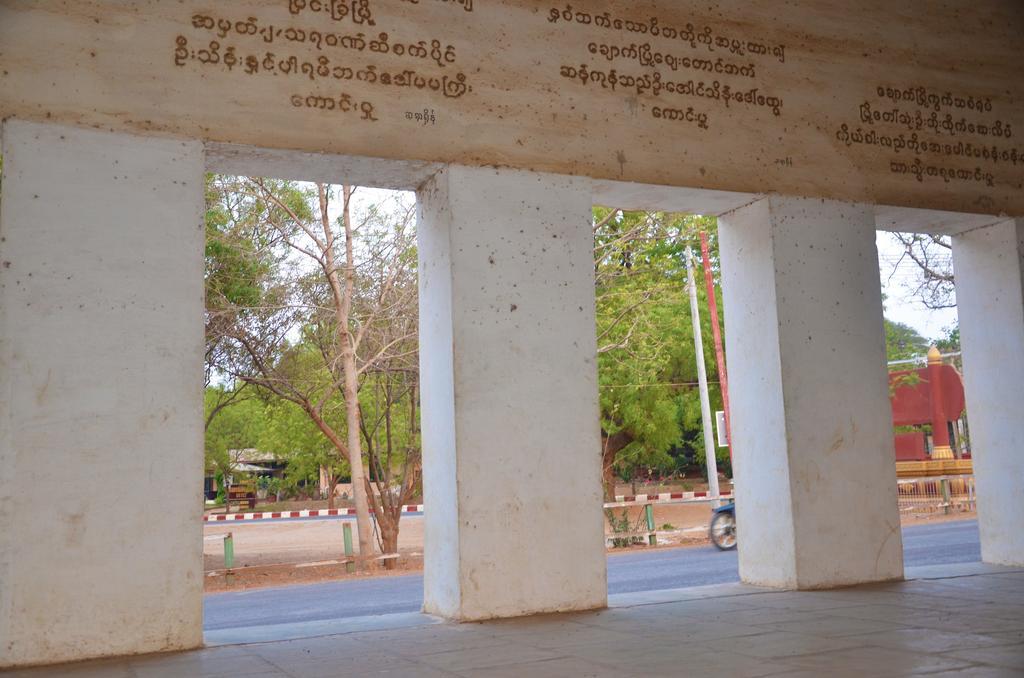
<point x="251" y="161"/>
<point x="101" y="345"/>
<point x="815" y="482"/>
<point x="509" y="391"/>
<point x="969" y="626"/>
<point x="989" y="265"/>
<point x="892" y="103"/>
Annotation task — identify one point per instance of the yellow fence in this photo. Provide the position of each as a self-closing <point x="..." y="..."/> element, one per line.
<point x="936" y="494"/>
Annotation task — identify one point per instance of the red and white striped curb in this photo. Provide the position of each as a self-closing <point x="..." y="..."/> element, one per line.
<point x="620" y="500"/>
<point x="665" y="498"/>
<point x="306" y="513"/>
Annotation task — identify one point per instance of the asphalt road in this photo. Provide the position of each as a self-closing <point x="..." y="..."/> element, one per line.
<point x="938" y="544"/>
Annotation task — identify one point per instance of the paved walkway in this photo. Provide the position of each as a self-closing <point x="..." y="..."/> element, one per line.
<point x="955" y="620"/>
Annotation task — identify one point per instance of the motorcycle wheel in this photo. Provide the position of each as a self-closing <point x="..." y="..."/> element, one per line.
<point x="723" y="531"/>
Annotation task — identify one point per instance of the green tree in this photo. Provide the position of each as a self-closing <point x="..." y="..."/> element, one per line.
<point x="647" y="374"/>
<point x="902" y="342"/>
<point x="239" y="427"/>
<point x="337" y="304"/>
<point x="950" y="341"/>
<point x="291" y="436"/>
<point x="242" y="257"/>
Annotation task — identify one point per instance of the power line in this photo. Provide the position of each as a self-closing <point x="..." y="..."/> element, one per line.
<point x="654" y="383"/>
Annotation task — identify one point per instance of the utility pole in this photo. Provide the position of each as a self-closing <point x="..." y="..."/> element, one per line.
<point x="702" y="380"/>
<point x="716" y="333"/>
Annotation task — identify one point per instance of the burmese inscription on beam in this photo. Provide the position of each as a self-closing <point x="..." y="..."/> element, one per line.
<point x="335" y="45"/>
<point x="883" y="104"/>
<point x="925" y="133"/>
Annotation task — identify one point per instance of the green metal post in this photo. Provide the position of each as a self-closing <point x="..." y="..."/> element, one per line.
<point x="946" y="498"/>
<point x="229" y="551"/>
<point x="350" y="566"/>
<point x="229" y="558"/>
<point x="653" y="538"/>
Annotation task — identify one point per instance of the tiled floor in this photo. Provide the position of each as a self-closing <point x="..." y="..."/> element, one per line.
<point x="951" y="622"/>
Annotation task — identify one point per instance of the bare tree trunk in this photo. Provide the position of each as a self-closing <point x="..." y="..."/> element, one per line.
<point x="610" y="448"/>
<point x="608" y="480"/>
<point x="343" y="307"/>
<point x="388" y="509"/>
<point x="388" y="522"/>
<point x="342" y="346"/>
<point x="330" y="434"/>
<point x="332" y="484"/>
<point x="227" y="495"/>
<point x="355" y="456"/>
<point x="388" y="501"/>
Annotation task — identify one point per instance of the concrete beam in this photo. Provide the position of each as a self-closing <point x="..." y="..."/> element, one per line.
<point x="101" y="362"/>
<point x="989" y="265"/>
<point x="633" y="196"/>
<point x="813" y="453"/>
<point x="935" y="222"/>
<point x="509" y="388"/>
<point x="250" y="161"/>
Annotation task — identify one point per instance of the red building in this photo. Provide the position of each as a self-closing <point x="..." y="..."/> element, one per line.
<point x="932" y="395"/>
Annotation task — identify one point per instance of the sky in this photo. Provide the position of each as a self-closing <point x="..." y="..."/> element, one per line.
<point x="900" y="306"/>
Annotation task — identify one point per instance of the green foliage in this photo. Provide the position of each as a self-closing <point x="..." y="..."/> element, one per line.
<point x="245" y="256"/>
<point x="647" y="370"/>
<point x="240" y="250"/>
<point x="276" y="290"/>
<point x="391" y="439"/>
<point x="237" y="427"/>
<point x="292" y="436"/>
<point x="950" y="342"/>
<point x="902" y="342"/>
<point x="910" y="378"/>
<point x="222" y="495"/>
<point x="278" y="426"/>
<point x="272" y="485"/>
<point x="621" y="524"/>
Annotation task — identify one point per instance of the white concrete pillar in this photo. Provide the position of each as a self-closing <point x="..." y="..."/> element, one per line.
<point x="989" y="266"/>
<point x="101" y="357"/>
<point x="814" y="459"/>
<point x="511" y="444"/>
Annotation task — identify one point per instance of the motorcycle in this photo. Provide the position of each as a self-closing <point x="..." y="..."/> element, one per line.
<point x="723" y="527"/>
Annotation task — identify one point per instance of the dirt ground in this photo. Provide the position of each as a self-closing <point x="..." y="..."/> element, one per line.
<point x="297" y="552"/>
<point x="677" y="524"/>
<point x="295" y="541"/>
<point x="305" y="541"/>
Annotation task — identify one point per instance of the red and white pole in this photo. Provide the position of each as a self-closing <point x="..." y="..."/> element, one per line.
<point x="940" y="429"/>
<point x="716" y="333"/>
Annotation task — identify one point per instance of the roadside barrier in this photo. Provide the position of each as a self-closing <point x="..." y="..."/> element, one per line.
<point x="620" y="502"/>
<point x="665" y="498"/>
<point x="932" y="494"/>
<point x="306" y="513"/>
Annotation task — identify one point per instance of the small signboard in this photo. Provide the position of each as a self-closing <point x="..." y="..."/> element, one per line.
<point x="723" y="435"/>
